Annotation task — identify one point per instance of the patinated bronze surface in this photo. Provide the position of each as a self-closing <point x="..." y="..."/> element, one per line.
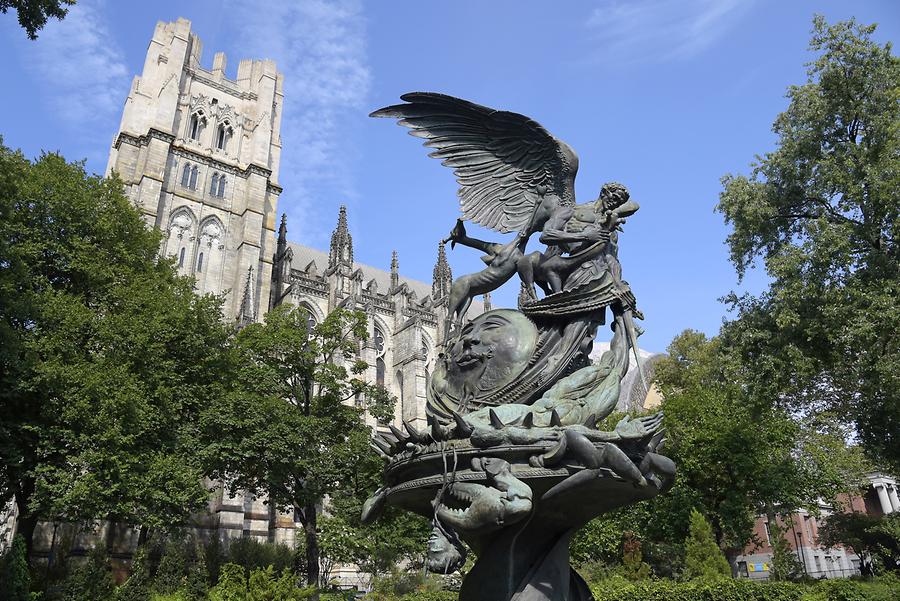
<point x="513" y="462"/>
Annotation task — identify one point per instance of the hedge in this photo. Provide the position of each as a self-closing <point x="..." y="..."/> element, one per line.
<point x="619" y="589"/>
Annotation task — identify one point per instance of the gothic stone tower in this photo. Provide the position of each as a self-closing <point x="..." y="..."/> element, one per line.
<point x="199" y="155"/>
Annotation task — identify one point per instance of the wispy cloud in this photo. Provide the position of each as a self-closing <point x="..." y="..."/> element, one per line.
<point x="320" y="46"/>
<point x="84" y="76"/>
<point x="638" y="30"/>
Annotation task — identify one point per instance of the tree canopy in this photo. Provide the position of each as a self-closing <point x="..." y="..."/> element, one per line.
<point x="292" y="427"/>
<point x="821" y="213"/>
<point x="33" y="14"/>
<point x="106" y="355"/>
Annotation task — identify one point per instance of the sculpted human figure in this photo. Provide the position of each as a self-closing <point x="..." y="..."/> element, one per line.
<point x="501" y="260"/>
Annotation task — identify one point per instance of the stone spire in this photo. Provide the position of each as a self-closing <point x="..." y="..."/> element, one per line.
<point x="442" y="277"/>
<point x="282" y="236"/>
<point x="341" y="243"/>
<point x="395" y="270"/>
<point x="281" y="266"/>
<point x="247" y="314"/>
<point x="487" y="302"/>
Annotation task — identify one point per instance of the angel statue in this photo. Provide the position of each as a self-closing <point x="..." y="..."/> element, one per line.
<point x="515" y="176"/>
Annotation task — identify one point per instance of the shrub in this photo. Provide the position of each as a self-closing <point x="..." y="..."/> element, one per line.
<point x="253" y="555"/>
<point x="14" y="576"/>
<point x="171" y="570"/>
<point x="232" y="584"/>
<point x="703" y="558"/>
<point x="137" y="587"/>
<point x="196" y="584"/>
<point x="92" y="580"/>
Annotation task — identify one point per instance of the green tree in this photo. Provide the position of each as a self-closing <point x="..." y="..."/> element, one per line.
<point x="15" y="579"/>
<point x="873" y="537"/>
<point x="293" y="428"/>
<point x="785" y="563"/>
<point x="33" y="14"/>
<point x="92" y="579"/>
<point x="735" y="452"/>
<point x="106" y="355"/>
<point x="822" y="214"/>
<point x="703" y="557"/>
<point x="137" y="587"/>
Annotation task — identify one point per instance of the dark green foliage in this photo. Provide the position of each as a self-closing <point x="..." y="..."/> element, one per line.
<point x="261" y="585"/>
<point x="703" y="557"/>
<point x="106" y="355"/>
<point x="138" y="585"/>
<point x="620" y="589"/>
<point x="404" y="584"/>
<point x="170" y="573"/>
<point x="14" y="576"/>
<point x="33" y="14"/>
<point x="232" y="584"/>
<point x="252" y="555"/>
<point x="736" y="453"/>
<point x="821" y="214"/>
<point x="90" y="580"/>
<point x="287" y="429"/>
<point x="874" y="537"/>
<point x="196" y="585"/>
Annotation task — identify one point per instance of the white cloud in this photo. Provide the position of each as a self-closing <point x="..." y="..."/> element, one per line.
<point x="84" y="75"/>
<point x="638" y="30"/>
<point x="320" y="46"/>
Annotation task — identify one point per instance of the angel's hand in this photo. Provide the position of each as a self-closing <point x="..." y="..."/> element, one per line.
<point x="457" y="233"/>
<point x="596" y="235"/>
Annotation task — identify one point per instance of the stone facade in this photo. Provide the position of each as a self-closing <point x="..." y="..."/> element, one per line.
<point x="199" y="156"/>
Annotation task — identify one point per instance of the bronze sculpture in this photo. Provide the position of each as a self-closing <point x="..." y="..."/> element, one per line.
<point x="513" y="461"/>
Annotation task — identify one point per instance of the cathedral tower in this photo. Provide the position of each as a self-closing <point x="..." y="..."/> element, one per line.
<point x="198" y="154"/>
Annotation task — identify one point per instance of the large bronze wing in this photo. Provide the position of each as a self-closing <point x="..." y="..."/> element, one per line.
<point x="503" y="161"/>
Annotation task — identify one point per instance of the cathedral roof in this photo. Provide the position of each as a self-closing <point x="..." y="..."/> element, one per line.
<point x="303" y="255"/>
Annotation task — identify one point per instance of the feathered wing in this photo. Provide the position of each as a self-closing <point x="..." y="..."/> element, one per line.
<point x="500" y="158"/>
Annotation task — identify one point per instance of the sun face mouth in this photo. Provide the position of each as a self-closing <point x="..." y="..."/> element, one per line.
<point x="468" y="360"/>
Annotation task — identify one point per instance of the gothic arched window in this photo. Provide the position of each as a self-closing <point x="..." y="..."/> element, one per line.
<point x="200" y="263"/>
<point x="186" y="175"/>
<point x="193" y="184"/>
<point x="379" y="372"/>
<point x="181" y="257"/>
<point x="220" y="191"/>
<point x="214" y="184"/>
<point x="198" y="120"/>
<point x="223" y="134"/>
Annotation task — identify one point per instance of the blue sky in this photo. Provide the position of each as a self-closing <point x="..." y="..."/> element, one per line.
<point x="664" y="96"/>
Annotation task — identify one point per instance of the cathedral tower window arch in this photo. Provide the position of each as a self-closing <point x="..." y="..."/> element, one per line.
<point x="181" y="237"/>
<point x="197" y="123"/>
<point x="380" y="367"/>
<point x="210" y="254"/>
<point x="224" y="133"/>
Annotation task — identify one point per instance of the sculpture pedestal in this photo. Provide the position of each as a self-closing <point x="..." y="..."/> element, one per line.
<point x="528" y="560"/>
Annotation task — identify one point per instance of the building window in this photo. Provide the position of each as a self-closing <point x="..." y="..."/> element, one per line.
<point x="186" y="175"/>
<point x="181" y="257"/>
<point x="223" y="134"/>
<point x="198" y="120"/>
<point x="200" y="263"/>
<point x="214" y="185"/>
<point x="379" y="372"/>
<point x="220" y="191"/>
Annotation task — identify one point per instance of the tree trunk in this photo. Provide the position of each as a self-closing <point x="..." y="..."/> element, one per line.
<point x="27" y="521"/>
<point x="312" y="544"/>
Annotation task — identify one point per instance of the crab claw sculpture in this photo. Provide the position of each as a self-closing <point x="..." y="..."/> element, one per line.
<point x="512" y="461"/>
